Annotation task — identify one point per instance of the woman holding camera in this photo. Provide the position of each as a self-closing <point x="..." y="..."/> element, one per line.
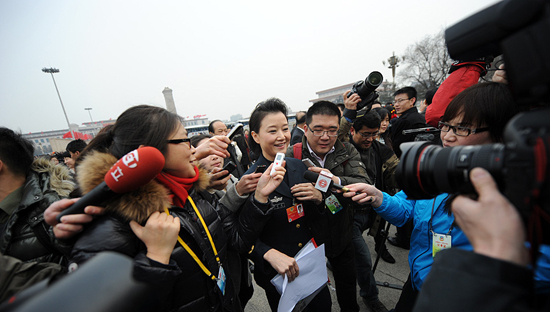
<point x="186" y="274"/>
<point x="476" y="116"/>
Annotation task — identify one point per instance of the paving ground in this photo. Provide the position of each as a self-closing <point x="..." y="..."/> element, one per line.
<point x="390" y="273"/>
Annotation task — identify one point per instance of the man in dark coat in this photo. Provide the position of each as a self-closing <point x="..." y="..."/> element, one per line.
<point x="25" y="192"/>
<point x="298" y="131"/>
<point x="409" y="118"/>
<point x="333" y="228"/>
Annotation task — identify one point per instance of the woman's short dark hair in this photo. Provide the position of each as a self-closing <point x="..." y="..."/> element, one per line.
<point x="382" y="112"/>
<point x="269" y="106"/>
<point x="484" y="105"/>
<point x="139" y="125"/>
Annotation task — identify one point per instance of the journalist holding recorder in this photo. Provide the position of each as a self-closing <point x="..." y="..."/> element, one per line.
<point x="177" y="234"/>
<point x="476" y="116"/>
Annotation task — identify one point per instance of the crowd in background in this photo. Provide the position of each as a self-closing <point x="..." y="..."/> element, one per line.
<point x="199" y="232"/>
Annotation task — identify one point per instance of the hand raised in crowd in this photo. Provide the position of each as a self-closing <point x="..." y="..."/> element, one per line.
<point x="267" y="183"/>
<point x="500" y="75"/>
<point x="307" y="191"/>
<point x="351" y="102"/>
<point x="365" y="193"/>
<point x="159" y="235"/>
<point x="70" y="224"/>
<point x="248" y="183"/>
<point x="334" y="178"/>
<point x="283" y="264"/>
<point x="491" y="223"/>
<point x="216" y="145"/>
<point x="215" y="181"/>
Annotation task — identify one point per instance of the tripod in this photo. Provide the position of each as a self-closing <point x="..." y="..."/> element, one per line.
<point x="385" y="232"/>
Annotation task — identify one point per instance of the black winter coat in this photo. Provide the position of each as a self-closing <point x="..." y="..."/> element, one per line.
<point x="25" y="235"/>
<point x="181" y="285"/>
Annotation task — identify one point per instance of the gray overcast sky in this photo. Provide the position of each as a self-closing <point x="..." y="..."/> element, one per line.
<point x="220" y="57"/>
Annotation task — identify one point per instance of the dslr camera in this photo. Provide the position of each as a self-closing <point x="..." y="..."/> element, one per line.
<point x="520" y="166"/>
<point x="365" y="89"/>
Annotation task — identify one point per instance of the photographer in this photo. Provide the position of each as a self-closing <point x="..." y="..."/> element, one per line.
<point x="495" y="276"/>
<point x="476" y="116"/>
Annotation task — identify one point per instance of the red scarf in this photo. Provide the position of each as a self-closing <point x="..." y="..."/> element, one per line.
<point x="178" y="186"/>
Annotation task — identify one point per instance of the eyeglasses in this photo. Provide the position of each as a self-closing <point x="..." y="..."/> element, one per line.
<point x="320" y="133"/>
<point x="459" y="130"/>
<point x="369" y="135"/>
<point x="178" y="141"/>
<point x="398" y="101"/>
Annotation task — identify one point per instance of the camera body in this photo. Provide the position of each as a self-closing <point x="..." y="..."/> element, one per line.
<point x="521" y="165"/>
<point x="365" y="89"/>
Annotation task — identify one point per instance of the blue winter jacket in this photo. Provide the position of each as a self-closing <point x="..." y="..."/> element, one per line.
<point x="398" y="210"/>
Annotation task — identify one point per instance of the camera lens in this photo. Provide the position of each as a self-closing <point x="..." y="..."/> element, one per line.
<point x="374" y="79"/>
<point x="426" y="170"/>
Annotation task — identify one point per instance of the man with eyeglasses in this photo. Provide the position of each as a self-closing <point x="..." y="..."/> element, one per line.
<point x="381" y="163"/>
<point x="409" y="118"/>
<point x="330" y="226"/>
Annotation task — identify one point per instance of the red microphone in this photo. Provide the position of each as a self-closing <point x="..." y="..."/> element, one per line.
<point x="132" y="171"/>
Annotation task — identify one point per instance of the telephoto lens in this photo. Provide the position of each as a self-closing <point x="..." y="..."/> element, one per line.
<point x="426" y="170"/>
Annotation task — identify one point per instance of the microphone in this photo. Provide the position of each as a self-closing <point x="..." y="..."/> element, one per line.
<point x="132" y="171"/>
<point x="312" y="177"/>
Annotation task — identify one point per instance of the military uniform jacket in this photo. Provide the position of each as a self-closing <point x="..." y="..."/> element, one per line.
<point x="278" y="233"/>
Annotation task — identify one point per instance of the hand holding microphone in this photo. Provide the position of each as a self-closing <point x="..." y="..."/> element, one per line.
<point x="365" y="194"/>
<point x="359" y="192"/>
<point x="132" y="171"/>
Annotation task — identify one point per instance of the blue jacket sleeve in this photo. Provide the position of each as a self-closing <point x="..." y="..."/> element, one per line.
<point x="396" y="209"/>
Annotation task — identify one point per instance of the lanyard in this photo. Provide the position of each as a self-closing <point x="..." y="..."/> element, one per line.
<point x="188" y="249"/>
<point x="432" y="216"/>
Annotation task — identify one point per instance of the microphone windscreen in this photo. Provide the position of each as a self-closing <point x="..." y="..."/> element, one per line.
<point x="311" y="176"/>
<point x="134" y="169"/>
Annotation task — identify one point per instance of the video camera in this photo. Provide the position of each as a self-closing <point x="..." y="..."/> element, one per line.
<point x="519" y="30"/>
<point x="365" y="89"/>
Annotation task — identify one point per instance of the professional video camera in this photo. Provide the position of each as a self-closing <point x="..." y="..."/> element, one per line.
<point x="365" y="89"/>
<point x="519" y="30"/>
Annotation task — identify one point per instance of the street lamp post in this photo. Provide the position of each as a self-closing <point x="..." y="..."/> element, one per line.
<point x="51" y="71"/>
<point x="392" y="61"/>
<point x="91" y="119"/>
<point x="89" y="109"/>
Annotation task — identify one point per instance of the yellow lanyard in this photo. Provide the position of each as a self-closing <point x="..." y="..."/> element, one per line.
<point x="197" y="260"/>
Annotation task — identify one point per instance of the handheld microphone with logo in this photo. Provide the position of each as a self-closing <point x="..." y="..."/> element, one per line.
<point x="312" y="177"/>
<point x="132" y="171"/>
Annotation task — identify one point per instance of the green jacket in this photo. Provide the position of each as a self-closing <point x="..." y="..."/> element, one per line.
<point x="335" y="230"/>
<point x="378" y="158"/>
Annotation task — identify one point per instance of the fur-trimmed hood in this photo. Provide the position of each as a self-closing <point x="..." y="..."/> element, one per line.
<point x="60" y="179"/>
<point x="136" y="205"/>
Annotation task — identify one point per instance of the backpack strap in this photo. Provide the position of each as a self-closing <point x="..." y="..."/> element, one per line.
<point x="297" y="150"/>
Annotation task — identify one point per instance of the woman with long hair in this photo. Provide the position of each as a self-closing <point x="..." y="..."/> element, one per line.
<point x="177" y="234"/>
<point x="285" y="233"/>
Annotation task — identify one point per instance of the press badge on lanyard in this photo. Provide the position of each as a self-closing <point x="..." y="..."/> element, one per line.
<point x="295" y="212"/>
<point x="221" y="280"/>
<point x="440" y="242"/>
<point x="333" y="204"/>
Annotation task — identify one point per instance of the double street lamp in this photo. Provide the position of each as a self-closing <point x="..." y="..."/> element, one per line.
<point x="51" y="71"/>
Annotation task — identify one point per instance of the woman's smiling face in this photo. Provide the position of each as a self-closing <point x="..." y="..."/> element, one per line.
<point x="273" y="136"/>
